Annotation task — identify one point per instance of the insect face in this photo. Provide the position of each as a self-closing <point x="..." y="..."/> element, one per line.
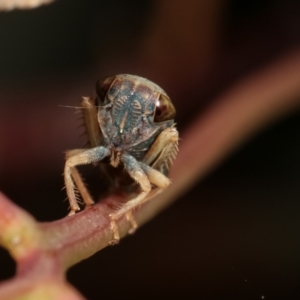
<point x="132" y="110"/>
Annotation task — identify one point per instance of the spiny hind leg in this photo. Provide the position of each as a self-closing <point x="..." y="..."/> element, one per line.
<point x="144" y="176"/>
<point x="90" y="117"/>
<point x="89" y="114"/>
<point x="163" y="150"/>
<point x="80" y="157"/>
<point x="78" y="180"/>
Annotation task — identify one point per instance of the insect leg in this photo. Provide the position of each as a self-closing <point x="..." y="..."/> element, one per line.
<point x="155" y="177"/>
<point x="134" y="169"/>
<point x="91" y="123"/>
<point x="71" y="175"/>
<point x="163" y="150"/>
<point x="78" y="179"/>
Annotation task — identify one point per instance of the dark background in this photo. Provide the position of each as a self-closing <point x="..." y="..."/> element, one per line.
<point x="233" y="236"/>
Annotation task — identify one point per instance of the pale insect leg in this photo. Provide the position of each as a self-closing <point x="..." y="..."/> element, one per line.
<point x="90" y="112"/>
<point x="163" y="150"/>
<point x="155" y="177"/>
<point x="80" y="157"/>
<point x="144" y="176"/>
<point x="136" y="172"/>
<point x="87" y="199"/>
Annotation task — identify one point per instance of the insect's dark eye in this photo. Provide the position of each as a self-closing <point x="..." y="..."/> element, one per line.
<point x="102" y="87"/>
<point x="164" y="109"/>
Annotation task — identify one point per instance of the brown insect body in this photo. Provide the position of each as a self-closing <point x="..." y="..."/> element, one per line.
<point x="126" y="118"/>
<point x="131" y="125"/>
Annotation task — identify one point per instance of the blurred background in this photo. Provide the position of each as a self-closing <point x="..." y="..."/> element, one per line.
<point x="239" y="227"/>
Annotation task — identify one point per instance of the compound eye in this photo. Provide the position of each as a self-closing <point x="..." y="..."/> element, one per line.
<point x="164" y="109"/>
<point x="103" y="86"/>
